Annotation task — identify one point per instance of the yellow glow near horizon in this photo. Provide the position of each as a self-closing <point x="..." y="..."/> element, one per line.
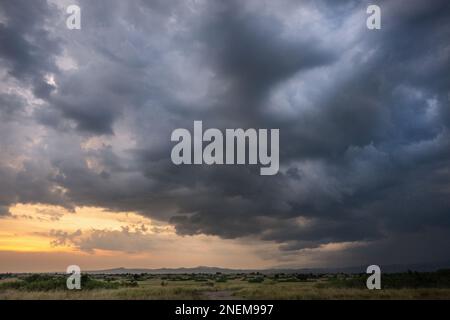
<point x="23" y="243"/>
<point x="108" y="240"/>
<point x="25" y="229"/>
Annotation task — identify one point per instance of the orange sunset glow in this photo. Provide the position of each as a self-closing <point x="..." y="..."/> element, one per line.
<point x="49" y="238"/>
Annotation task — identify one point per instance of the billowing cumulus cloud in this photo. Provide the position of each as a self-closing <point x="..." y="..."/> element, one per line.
<point x="86" y="117"/>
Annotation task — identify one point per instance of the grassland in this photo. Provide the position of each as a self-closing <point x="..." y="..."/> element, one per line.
<point x="219" y="286"/>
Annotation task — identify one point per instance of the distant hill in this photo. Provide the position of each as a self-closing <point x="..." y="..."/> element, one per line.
<point x="200" y="269"/>
<point x="213" y="270"/>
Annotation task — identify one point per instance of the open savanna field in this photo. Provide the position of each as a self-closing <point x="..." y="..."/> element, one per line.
<point x="410" y="285"/>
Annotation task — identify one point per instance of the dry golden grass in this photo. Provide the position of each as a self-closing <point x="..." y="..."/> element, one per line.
<point x="309" y="291"/>
<point x="105" y="294"/>
<point x="187" y="290"/>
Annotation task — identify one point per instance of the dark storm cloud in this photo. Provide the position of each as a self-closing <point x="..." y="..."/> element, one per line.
<point x="27" y="48"/>
<point x="10" y="106"/>
<point x="363" y="115"/>
<point x="248" y="50"/>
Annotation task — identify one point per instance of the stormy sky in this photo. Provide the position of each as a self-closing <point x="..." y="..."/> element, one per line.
<point x="364" y="117"/>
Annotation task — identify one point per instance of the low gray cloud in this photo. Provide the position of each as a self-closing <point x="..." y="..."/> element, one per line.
<point x="123" y="240"/>
<point x="363" y="116"/>
<point x="63" y="238"/>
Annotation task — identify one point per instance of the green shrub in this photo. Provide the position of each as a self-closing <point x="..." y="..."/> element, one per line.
<point x="255" y="280"/>
<point x="43" y="282"/>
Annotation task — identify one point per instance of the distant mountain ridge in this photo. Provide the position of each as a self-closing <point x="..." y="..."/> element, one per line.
<point x="212" y="270"/>
<point x="200" y="269"/>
